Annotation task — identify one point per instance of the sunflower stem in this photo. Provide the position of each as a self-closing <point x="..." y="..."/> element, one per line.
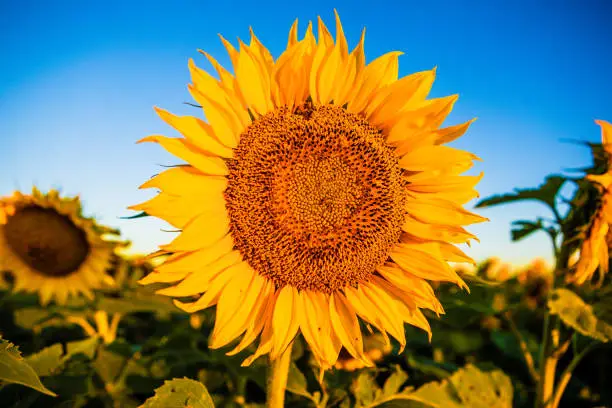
<point x="277" y="379"/>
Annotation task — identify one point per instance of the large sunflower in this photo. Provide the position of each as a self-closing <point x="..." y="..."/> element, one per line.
<point x="317" y="195"/>
<point x="50" y="248"/>
<point x="594" y="252"/>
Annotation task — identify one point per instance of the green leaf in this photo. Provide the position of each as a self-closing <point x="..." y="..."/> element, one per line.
<point x="296" y="382"/>
<point x="138" y="301"/>
<point x="469" y="387"/>
<point x="35" y="317"/>
<point x="133" y="217"/>
<point x="574" y="312"/>
<point x="180" y="392"/>
<point x="521" y="229"/>
<point x="14" y="369"/>
<point x="394" y="382"/>
<point x="365" y="389"/>
<point x="51" y="359"/>
<point x="546" y="193"/>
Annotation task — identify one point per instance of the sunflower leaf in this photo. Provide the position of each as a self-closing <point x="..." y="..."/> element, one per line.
<point x="394" y="382"/>
<point x="180" y="392"/>
<point x="15" y="369"/>
<point x="296" y="382"/>
<point x="522" y="228"/>
<point x="577" y="314"/>
<point x="468" y="387"/>
<point x="365" y="389"/>
<point x="138" y="301"/>
<point x="51" y="359"/>
<point x="546" y="193"/>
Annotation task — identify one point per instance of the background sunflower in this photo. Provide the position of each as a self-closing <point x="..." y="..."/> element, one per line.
<point x="50" y="248"/>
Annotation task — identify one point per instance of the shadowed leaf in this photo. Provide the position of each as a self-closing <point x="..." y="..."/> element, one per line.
<point x="180" y="392"/>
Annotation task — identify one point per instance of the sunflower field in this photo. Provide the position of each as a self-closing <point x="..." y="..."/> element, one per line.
<point x="319" y="262"/>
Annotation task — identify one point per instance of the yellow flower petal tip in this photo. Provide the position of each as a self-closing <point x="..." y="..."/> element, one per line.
<point x="295" y="212"/>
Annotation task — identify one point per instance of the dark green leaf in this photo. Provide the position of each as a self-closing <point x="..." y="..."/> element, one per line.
<point x="522" y="229"/>
<point x="133" y="217"/>
<point x="546" y="193"/>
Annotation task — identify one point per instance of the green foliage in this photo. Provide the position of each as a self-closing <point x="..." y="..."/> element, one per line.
<point x="14" y="369"/>
<point x="181" y="392"/>
<point x="545" y="193"/>
<point x="469" y="387"/>
<point x="51" y="359"/>
<point x="574" y="312"/>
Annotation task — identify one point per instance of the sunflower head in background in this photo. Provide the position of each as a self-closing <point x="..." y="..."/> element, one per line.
<point x="595" y="249"/>
<point x="49" y="248"/>
<point x="318" y="196"/>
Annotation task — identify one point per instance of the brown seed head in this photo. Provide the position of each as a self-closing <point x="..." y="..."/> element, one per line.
<point x="315" y="197"/>
<point x="45" y="240"/>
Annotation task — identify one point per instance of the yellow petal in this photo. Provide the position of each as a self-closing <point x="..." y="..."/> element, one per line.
<point x="200" y="279"/>
<point x="429" y="158"/>
<point x="213" y="292"/>
<point x="233" y="54"/>
<point x="293" y="36"/>
<point x="442" y="212"/>
<point x="451" y="133"/>
<point x="354" y="71"/>
<point x="365" y="311"/>
<point x="186" y="151"/>
<point x="309" y="323"/>
<point x="253" y="82"/>
<point x="424" y="265"/>
<point x="237" y="300"/>
<point x="197" y="259"/>
<point x="258" y="316"/>
<point x="187" y="180"/>
<point x="197" y="132"/>
<point x="376" y="74"/>
<point x="285" y="320"/>
<point x="606" y="135"/>
<point x="418" y="289"/>
<point x="408" y="91"/>
<point x="201" y="232"/>
<point x="346" y="326"/>
<point x="387" y="311"/>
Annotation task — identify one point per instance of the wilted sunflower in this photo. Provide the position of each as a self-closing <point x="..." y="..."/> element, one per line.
<point x="50" y="248"/>
<point x="594" y="252"/>
<point x="318" y="193"/>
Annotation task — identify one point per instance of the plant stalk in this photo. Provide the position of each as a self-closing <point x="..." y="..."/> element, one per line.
<point x="566" y="376"/>
<point x="277" y="379"/>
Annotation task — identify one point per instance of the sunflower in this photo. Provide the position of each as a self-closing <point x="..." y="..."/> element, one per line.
<point x="50" y="248"/>
<point x="318" y="196"/>
<point x="594" y="252"/>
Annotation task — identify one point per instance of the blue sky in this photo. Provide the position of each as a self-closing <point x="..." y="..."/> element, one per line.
<point x="78" y="81"/>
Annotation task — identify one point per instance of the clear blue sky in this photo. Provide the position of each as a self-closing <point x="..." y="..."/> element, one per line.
<point x="78" y="80"/>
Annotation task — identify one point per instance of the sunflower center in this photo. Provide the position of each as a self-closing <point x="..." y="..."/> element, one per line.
<point x="315" y="197"/>
<point x="47" y="241"/>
